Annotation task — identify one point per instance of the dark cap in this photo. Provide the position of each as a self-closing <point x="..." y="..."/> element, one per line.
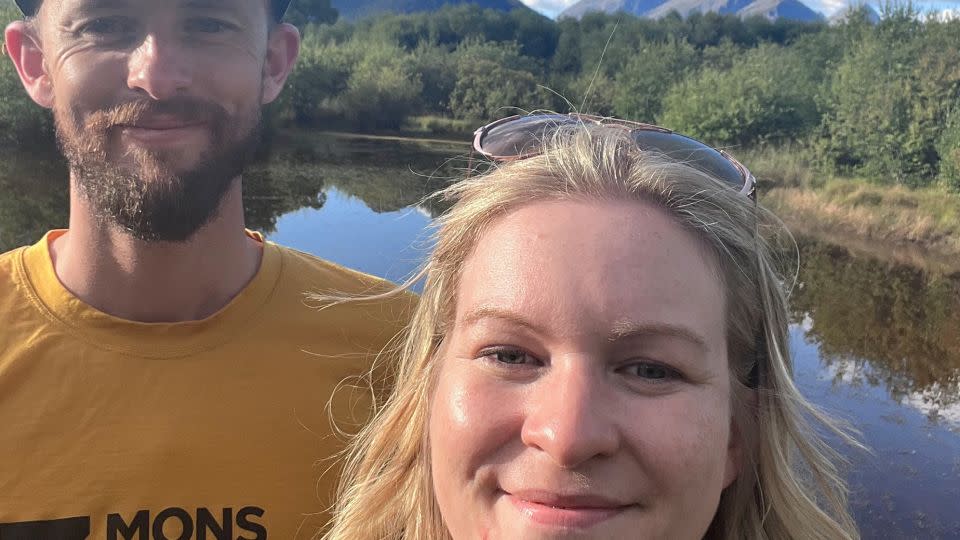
<point x="29" y="7"/>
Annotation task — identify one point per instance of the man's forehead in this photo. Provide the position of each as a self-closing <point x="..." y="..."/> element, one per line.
<point x="276" y="8"/>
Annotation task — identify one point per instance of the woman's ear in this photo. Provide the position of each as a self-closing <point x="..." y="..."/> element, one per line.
<point x="734" y="456"/>
<point x="283" y="47"/>
<point x="738" y="443"/>
<point x="23" y="47"/>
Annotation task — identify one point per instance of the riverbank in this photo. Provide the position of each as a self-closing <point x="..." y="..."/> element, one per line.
<point x="917" y="227"/>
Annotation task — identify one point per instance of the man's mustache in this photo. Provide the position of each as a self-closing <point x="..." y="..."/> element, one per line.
<point x="135" y="112"/>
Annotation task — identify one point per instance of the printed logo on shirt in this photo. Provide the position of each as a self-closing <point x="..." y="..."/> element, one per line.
<point x="169" y="524"/>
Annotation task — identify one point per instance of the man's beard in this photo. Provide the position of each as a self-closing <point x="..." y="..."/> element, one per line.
<point x="146" y="197"/>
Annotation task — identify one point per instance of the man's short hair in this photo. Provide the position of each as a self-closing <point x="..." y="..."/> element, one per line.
<point x="30" y="7"/>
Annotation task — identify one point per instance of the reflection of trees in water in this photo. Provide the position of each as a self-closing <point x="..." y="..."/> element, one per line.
<point x="386" y="175"/>
<point x="277" y="187"/>
<point x="883" y="324"/>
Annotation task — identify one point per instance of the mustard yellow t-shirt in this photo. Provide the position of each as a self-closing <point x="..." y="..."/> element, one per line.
<point x="217" y="429"/>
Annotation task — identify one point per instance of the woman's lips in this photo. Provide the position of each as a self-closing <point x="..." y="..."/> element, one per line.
<point x="570" y="512"/>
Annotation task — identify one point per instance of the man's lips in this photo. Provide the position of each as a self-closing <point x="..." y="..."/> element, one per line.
<point x="161" y="125"/>
<point x="161" y="130"/>
<point x="566" y="511"/>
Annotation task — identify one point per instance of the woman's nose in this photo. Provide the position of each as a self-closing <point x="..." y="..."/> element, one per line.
<point x="570" y="417"/>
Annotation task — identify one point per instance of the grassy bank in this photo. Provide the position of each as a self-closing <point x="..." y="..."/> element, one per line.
<point x="920" y="227"/>
<point x="440" y="127"/>
<point x="916" y="226"/>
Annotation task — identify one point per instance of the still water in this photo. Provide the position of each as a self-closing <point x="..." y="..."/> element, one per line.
<point x="875" y="343"/>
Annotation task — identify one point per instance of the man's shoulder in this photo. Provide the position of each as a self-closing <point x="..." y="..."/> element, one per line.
<point x="326" y="277"/>
<point x="318" y="282"/>
<point x="10" y="268"/>
<point x="7" y="258"/>
<point x="331" y="302"/>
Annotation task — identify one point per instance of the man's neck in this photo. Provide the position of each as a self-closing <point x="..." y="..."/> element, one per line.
<point x="156" y="281"/>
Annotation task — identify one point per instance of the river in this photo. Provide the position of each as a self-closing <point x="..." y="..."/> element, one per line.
<point x="875" y="343"/>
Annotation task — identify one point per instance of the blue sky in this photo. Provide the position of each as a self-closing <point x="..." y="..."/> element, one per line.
<point x="827" y="7"/>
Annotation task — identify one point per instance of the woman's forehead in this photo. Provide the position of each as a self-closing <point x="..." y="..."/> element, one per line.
<point x="598" y="261"/>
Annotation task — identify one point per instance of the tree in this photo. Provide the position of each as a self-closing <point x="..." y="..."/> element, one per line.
<point x="766" y="95"/>
<point x="487" y="90"/>
<point x="643" y="82"/>
<point x="383" y="88"/>
<point x="890" y="100"/>
<point x="948" y="150"/>
<point x="304" y="12"/>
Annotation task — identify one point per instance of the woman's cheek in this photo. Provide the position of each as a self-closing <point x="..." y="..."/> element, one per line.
<point x="473" y="413"/>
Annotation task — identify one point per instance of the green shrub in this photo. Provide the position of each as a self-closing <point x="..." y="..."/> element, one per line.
<point x="486" y="90"/>
<point x="948" y="149"/>
<point x="641" y="86"/>
<point x="766" y="95"/>
<point x="22" y="122"/>
<point x="889" y="99"/>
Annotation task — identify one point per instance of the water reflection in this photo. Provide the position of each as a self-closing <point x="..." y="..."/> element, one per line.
<point x="874" y="323"/>
<point x="295" y="173"/>
<point x="883" y="325"/>
<point x="876" y="343"/>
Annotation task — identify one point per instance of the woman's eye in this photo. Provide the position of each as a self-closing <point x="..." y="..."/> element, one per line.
<point x="508" y="356"/>
<point x="651" y="371"/>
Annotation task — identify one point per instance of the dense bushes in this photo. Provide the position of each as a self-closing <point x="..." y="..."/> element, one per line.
<point x="875" y="101"/>
<point x="891" y="96"/>
<point x="21" y="121"/>
<point x="765" y="95"/>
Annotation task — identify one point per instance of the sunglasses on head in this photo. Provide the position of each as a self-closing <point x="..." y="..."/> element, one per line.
<point x="522" y="136"/>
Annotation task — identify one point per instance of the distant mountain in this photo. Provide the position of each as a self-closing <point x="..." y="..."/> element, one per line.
<point x="637" y="7"/>
<point x="781" y="9"/>
<point x="686" y="7"/>
<point x="356" y="9"/>
<point x="655" y="9"/>
<point x="841" y="16"/>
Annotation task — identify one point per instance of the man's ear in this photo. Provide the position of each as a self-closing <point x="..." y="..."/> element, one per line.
<point x="23" y="47"/>
<point x="283" y="47"/>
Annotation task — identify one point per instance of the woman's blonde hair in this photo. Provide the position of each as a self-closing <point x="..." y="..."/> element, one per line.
<point x="789" y="485"/>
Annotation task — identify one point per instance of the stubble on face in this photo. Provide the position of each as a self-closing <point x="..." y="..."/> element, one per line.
<point x="140" y="191"/>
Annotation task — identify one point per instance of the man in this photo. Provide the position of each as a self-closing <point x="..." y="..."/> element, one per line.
<point x="161" y="376"/>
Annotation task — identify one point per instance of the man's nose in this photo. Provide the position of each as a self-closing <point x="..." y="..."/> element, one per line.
<point x="160" y="68"/>
<point x="571" y="419"/>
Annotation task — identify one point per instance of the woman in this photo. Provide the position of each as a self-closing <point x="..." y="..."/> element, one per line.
<point x="600" y="351"/>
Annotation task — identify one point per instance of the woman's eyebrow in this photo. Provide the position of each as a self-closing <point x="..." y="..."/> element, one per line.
<point x="477" y="314"/>
<point x="629" y="329"/>
<point x="621" y="330"/>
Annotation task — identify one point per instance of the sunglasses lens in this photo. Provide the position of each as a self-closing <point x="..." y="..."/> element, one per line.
<point x="691" y="152"/>
<point x="522" y="136"/>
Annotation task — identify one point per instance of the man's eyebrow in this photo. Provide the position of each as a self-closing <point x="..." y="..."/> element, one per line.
<point x="206" y="4"/>
<point x="103" y="4"/>
<point x="625" y="330"/>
